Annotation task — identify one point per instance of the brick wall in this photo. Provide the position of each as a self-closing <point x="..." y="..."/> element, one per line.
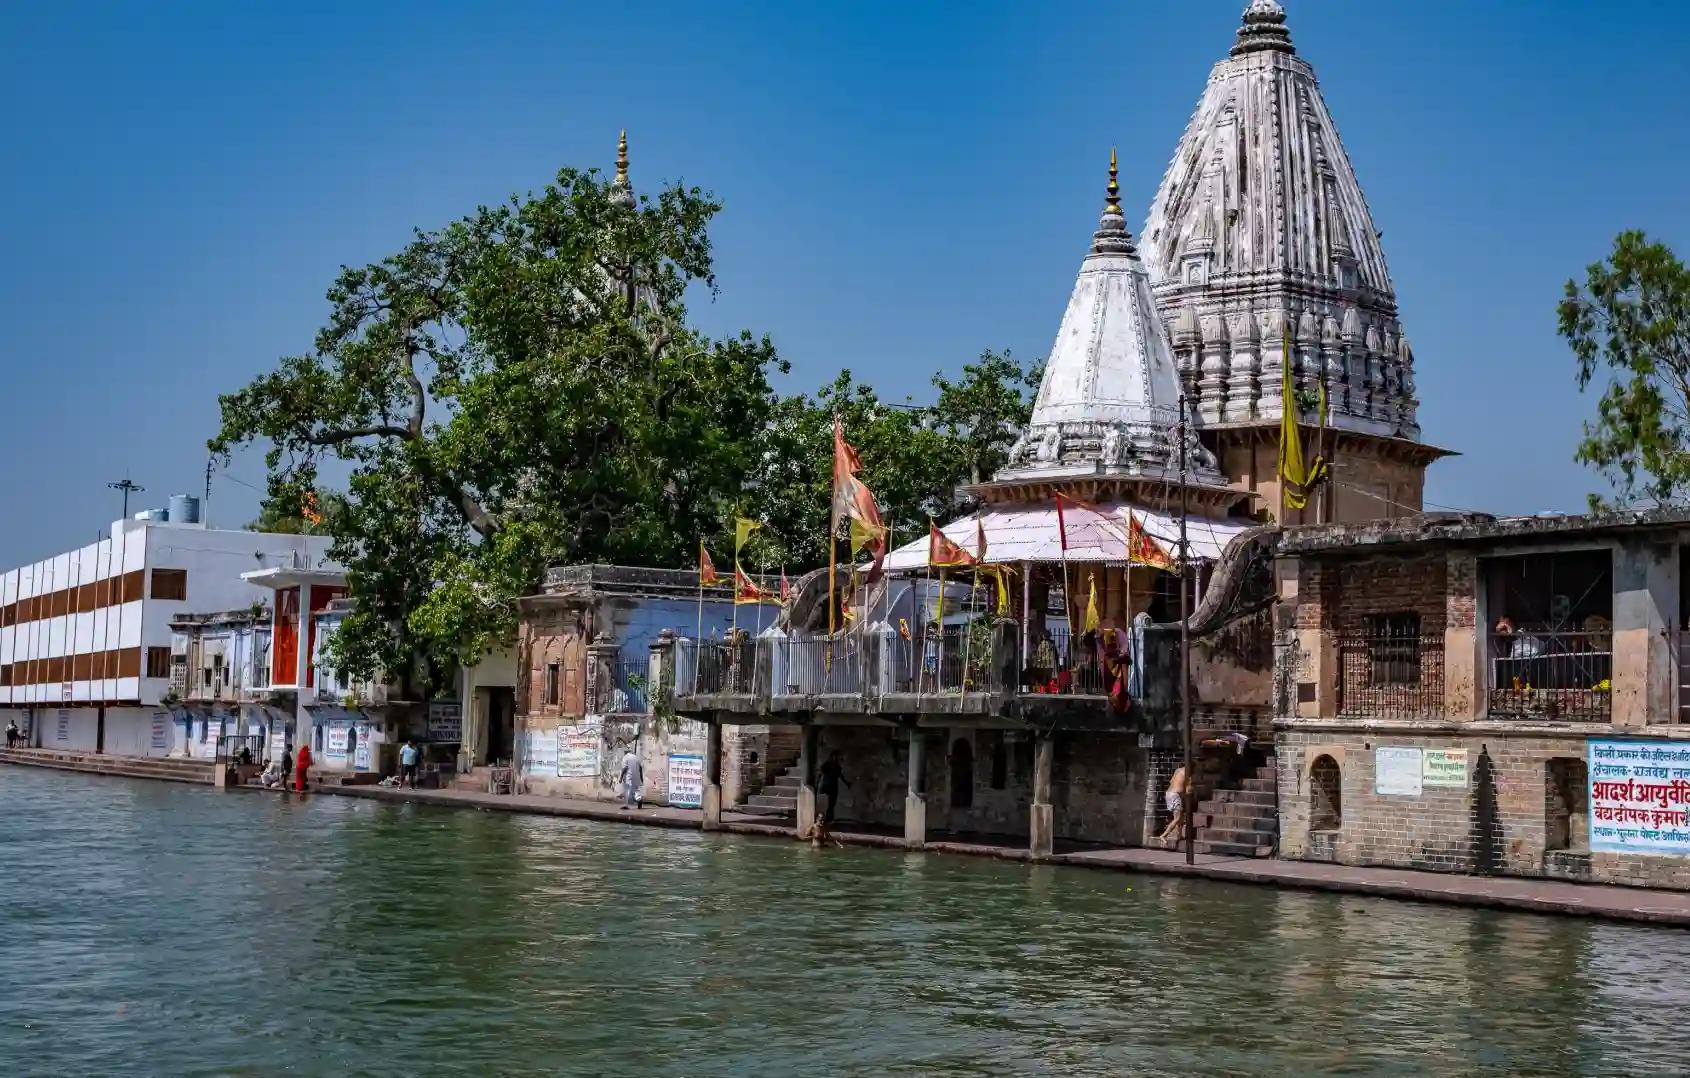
<point x="754" y="755"/>
<point x="1499" y="822"/>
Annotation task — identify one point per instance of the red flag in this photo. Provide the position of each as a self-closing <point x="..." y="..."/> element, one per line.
<point x="1061" y="523"/>
<point x="846" y="464"/>
<point x="1144" y="550"/>
<point x="707" y="575"/>
<point x="745" y="590"/>
<point x="785" y="588"/>
<point x="942" y="553"/>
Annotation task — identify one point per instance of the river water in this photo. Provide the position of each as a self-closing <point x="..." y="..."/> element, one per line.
<point x="151" y="928"/>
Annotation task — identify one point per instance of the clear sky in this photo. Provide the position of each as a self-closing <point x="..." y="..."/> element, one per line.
<point x="906" y="184"/>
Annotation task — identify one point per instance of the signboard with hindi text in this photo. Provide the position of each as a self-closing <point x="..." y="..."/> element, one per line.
<point x="686" y="780"/>
<point x="539" y="755"/>
<point x="1640" y="797"/>
<point x="1397" y="770"/>
<point x="1444" y="767"/>
<point x="334" y="741"/>
<point x="445" y="721"/>
<point x="578" y="749"/>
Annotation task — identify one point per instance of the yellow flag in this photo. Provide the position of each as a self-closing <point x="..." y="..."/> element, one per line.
<point x="998" y="574"/>
<point x="1291" y="474"/>
<point x="864" y="534"/>
<point x="742" y="531"/>
<point x="1092" y="620"/>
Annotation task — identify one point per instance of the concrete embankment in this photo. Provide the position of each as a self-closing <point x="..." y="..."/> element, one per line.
<point x="1669" y="908"/>
<point x="172" y="769"/>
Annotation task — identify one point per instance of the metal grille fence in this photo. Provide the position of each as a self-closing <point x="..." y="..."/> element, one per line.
<point x="1542" y="674"/>
<point x="1391" y="675"/>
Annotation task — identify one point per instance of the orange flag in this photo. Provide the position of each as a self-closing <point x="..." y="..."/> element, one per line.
<point x="745" y="590"/>
<point x="707" y="575"/>
<point x="942" y="553"/>
<point x="785" y="588"/>
<point x="980" y="535"/>
<point x="1144" y="550"/>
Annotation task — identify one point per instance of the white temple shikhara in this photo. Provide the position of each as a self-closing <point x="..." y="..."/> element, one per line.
<point x="1259" y="250"/>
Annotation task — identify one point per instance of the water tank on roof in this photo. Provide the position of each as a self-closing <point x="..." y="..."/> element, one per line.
<point x="184" y="509"/>
<point x="153" y="514"/>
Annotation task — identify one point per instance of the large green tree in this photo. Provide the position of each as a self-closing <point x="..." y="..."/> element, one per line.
<point x="1629" y="326"/>
<point x="518" y="389"/>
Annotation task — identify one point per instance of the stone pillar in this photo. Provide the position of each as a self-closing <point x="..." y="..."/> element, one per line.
<point x="1644" y="666"/>
<point x="713" y="777"/>
<point x="807" y="782"/>
<point x="1042" y="826"/>
<point x="660" y="673"/>
<point x="915" y="797"/>
<point x="1466" y="673"/>
<point x="602" y="654"/>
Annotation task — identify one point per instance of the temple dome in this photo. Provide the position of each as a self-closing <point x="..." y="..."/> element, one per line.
<point x="1260" y="212"/>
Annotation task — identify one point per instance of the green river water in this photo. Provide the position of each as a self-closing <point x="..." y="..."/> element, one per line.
<point x="150" y="928"/>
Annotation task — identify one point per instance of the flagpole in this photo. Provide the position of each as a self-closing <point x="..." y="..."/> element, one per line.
<point x="1067" y="592"/>
<point x="926" y="601"/>
<point x="698" y="640"/>
<point x="939" y="669"/>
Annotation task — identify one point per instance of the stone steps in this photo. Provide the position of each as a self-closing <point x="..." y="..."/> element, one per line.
<point x="168" y="769"/>
<point x="1266" y="798"/>
<point x="1264" y="824"/>
<point x="1237" y="808"/>
<point x="1233" y="849"/>
<point x="1241" y="821"/>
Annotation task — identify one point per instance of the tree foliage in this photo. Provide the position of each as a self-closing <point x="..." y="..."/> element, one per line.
<point x="522" y="389"/>
<point x="1629" y="326"/>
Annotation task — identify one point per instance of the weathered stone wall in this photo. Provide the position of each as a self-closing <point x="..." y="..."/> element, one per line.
<point x="654" y="737"/>
<point x="753" y="756"/>
<point x="1499" y="822"/>
<point x="552" y="634"/>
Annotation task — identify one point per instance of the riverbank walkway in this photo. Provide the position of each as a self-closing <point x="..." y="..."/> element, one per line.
<point x="1497" y="892"/>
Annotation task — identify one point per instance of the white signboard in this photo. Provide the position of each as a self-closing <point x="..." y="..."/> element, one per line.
<point x="161" y="731"/>
<point x="334" y="741"/>
<point x="1444" y="767"/>
<point x="64" y="728"/>
<point x="540" y="757"/>
<point x="361" y="754"/>
<point x="213" y="727"/>
<point x="1640" y="797"/>
<point x="445" y="721"/>
<point x="1396" y="770"/>
<point x="278" y="743"/>
<point x="686" y="780"/>
<point x="578" y="751"/>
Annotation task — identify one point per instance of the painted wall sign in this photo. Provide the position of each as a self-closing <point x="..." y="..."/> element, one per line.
<point x="161" y="731"/>
<point x="1639" y="797"/>
<point x="445" y="721"/>
<point x="1444" y="767"/>
<point x="578" y="750"/>
<point x="361" y="754"/>
<point x="63" y="733"/>
<point x="334" y="741"/>
<point x="540" y="752"/>
<point x="1396" y="771"/>
<point x="278" y="742"/>
<point x="686" y="780"/>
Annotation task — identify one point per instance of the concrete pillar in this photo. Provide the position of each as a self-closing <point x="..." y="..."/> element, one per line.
<point x="1645" y="668"/>
<point x="602" y="656"/>
<point x="713" y="777"/>
<point x="1042" y="827"/>
<point x="807" y="776"/>
<point x="915" y="799"/>
<point x="1466" y="672"/>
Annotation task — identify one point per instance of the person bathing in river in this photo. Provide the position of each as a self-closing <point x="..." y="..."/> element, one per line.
<point x="1175" y="799"/>
<point x="302" y="768"/>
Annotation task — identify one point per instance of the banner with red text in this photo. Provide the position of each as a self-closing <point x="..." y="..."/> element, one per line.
<point x="1640" y="797"/>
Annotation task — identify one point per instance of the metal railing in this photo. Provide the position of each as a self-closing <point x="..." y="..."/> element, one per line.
<point x="229" y="746"/>
<point x="1076" y="666"/>
<point x="1386" y="675"/>
<point x="1545" y="674"/>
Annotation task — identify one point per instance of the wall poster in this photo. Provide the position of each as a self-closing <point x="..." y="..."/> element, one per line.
<point x="1445" y="767"/>
<point x="1397" y="770"/>
<point x="540" y="752"/>
<point x="686" y="780"/>
<point x="1639" y="797"/>
<point x="578" y="749"/>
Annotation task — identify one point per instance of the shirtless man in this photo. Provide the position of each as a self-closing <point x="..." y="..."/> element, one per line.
<point x="1175" y="799"/>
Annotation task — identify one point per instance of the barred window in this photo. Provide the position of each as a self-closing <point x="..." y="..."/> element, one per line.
<point x="1393" y="648"/>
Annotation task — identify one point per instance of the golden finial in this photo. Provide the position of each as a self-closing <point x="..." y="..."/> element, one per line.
<point x="622" y="159"/>
<point x="1113" y="203"/>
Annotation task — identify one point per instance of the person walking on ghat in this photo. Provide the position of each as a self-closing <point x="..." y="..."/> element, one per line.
<point x="408" y="757"/>
<point x="832" y="774"/>
<point x="633" y="779"/>
<point x="1175" y="799"/>
<point x="302" y="768"/>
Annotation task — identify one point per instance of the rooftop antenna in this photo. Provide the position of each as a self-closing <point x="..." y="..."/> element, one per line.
<point x="128" y="487"/>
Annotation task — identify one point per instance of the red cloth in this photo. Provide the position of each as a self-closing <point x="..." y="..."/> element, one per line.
<point x="301" y="768"/>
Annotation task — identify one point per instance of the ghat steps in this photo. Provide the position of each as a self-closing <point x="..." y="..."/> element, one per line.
<point x="1241" y="821"/>
<point x="167" y="768"/>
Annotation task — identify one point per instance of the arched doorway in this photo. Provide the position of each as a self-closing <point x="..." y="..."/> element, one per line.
<point x="1326" y="802"/>
<point x="962" y="773"/>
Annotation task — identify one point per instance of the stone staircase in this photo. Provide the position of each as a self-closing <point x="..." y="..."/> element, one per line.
<point x="1241" y="821"/>
<point x="168" y="769"/>
<point x="779" y="797"/>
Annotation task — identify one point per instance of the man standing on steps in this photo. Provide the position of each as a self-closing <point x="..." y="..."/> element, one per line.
<point x="828" y="789"/>
<point x="633" y="779"/>
<point x="1175" y="799"/>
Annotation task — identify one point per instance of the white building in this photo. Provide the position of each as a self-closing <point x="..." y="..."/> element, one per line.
<point x="86" y="638"/>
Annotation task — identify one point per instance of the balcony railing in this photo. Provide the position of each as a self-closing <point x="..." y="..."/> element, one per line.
<point x="1387" y="675"/>
<point x="630" y="687"/>
<point x="1544" y="674"/>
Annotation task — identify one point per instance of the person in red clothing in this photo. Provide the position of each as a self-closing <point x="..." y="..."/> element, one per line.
<point x="302" y="768"/>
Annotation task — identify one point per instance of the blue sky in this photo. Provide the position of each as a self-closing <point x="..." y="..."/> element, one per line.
<point x="906" y="184"/>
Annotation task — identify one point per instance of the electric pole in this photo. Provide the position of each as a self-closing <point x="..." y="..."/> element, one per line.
<point x="128" y="487"/>
<point x="1185" y="643"/>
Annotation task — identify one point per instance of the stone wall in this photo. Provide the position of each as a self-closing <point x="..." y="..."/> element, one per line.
<point x="1104" y="788"/>
<point x="752" y="756"/>
<point x="655" y="738"/>
<point x="1500" y="822"/>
